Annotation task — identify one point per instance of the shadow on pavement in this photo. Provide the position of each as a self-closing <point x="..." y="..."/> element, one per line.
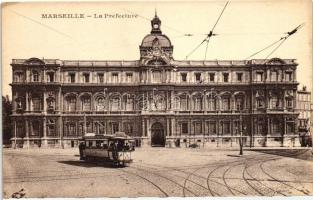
<point x="302" y="154"/>
<point x="89" y="164"/>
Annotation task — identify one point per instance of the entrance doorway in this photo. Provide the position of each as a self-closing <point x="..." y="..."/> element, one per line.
<point x="157" y="135"/>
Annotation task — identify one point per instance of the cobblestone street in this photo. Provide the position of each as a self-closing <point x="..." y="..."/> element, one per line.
<point x="158" y="172"/>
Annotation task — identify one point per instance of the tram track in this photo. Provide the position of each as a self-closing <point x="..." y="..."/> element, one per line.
<point x="168" y="179"/>
<point x="147" y="180"/>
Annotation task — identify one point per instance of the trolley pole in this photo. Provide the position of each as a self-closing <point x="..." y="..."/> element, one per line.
<point x="240" y="141"/>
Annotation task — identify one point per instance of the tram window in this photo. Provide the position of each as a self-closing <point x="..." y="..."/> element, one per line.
<point x="89" y="143"/>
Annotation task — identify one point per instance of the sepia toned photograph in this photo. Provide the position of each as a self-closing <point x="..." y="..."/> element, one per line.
<point x="157" y="99"/>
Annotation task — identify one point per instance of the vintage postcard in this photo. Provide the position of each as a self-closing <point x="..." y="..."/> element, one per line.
<point x="157" y="99"/>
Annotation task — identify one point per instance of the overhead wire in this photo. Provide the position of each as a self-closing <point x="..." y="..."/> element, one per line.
<point x="281" y="40"/>
<point x="209" y="35"/>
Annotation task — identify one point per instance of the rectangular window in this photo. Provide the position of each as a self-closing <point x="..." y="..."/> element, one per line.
<point x="115" y="77"/>
<point x="100" y="78"/>
<point x="212" y="128"/>
<point x="239" y="77"/>
<point x="259" y="76"/>
<point x="260" y="103"/>
<point x="183" y="77"/>
<point x="289" y="103"/>
<point x="130" y="104"/>
<point x="211" y="77"/>
<point x="184" y="128"/>
<point x="86" y="77"/>
<point x="225" y="77"/>
<point x="198" y="77"/>
<point x="288" y="76"/>
<point x="72" y="77"/>
<point x="129" y="77"/>
<point x="274" y="76"/>
<point x="157" y="76"/>
<point x="198" y="128"/>
<point x="50" y="77"/>
<point x="18" y="77"/>
<point x="183" y="103"/>
<point x="226" y="128"/>
<point x="115" y="127"/>
<point x="36" y="104"/>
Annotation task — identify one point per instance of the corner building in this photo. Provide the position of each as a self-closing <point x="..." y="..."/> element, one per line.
<point x="158" y="100"/>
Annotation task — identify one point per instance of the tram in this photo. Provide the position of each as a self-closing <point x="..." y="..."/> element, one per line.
<point x="115" y="149"/>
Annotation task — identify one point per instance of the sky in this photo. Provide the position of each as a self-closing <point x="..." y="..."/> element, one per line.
<point x="244" y="28"/>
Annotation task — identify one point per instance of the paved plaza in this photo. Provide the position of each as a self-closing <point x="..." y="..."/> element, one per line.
<point x="159" y="172"/>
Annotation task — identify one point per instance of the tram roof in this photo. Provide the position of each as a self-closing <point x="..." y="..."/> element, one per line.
<point x="116" y="136"/>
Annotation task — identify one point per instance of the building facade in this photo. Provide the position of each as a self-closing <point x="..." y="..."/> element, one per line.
<point x="158" y="100"/>
<point x="304" y="107"/>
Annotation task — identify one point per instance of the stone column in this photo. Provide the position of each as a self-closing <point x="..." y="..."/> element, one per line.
<point x="27" y="101"/>
<point x="44" y="129"/>
<point x="15" y="135"/>
<point x="168" y="127"/>
<point x="143" y="128"/>
<point x="27" y="133"/>
<point x="44" y="102"/>
<point x="60" y="107"/>
<point x="173" y="127"/>
<point x="148" y="129"/>
<point x="61" y="132"/>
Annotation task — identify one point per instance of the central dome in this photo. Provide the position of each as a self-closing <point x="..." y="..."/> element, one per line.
<point x="156" y="43"/>
<point x="149" y="40"/>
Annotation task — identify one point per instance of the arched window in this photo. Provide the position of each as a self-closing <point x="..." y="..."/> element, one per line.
<point x="19" y="103"/>
<point x="115" y="103"/>
<point x="274" y="102"/>
<point x="71" y="103"/>
<point x="36" y="103"/>
<point x="51" y="103"/>
<point x="212" y="103"/>
<point x="197" y="100"/>
<point x="225" y="103"/>
<point x="35" y="76"/>
<point x="176" y="103"/>
<point x="86" y="103"/>
<point x="239" y="102"/>
<point x="184" y="102"/>
<point x="100" y="104"/>
<point x="129" y="103"/>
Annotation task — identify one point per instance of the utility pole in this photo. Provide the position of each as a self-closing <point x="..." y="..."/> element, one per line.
<point x="240" y="141"/>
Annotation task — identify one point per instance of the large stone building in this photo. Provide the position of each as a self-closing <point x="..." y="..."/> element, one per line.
<point x="155" y="99"/>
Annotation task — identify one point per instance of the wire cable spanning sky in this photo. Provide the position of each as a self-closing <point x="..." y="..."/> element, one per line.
<point x="244" y="27"/>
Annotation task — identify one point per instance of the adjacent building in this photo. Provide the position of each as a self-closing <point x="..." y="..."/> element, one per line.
<point x="158" y="100"/>
<point x="304" y="107"/>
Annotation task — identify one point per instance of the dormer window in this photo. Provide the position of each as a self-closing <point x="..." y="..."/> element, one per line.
<point x="86" y="77"/>
<point x="115" y="77"/>
<point x="288" y="76"/>
<point x="50" y="76"/>
<point x="183" y="77"/>
<point x="100" y="77"/>
<point x="198" y="77"/>
<point x="259" y="76"/>
<point x="72" y="77"/>
<point x="211" y="77"/>
<point x="225" y="77"/>
<point x="239" y="77"/>
<point x="129" y="77"/>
